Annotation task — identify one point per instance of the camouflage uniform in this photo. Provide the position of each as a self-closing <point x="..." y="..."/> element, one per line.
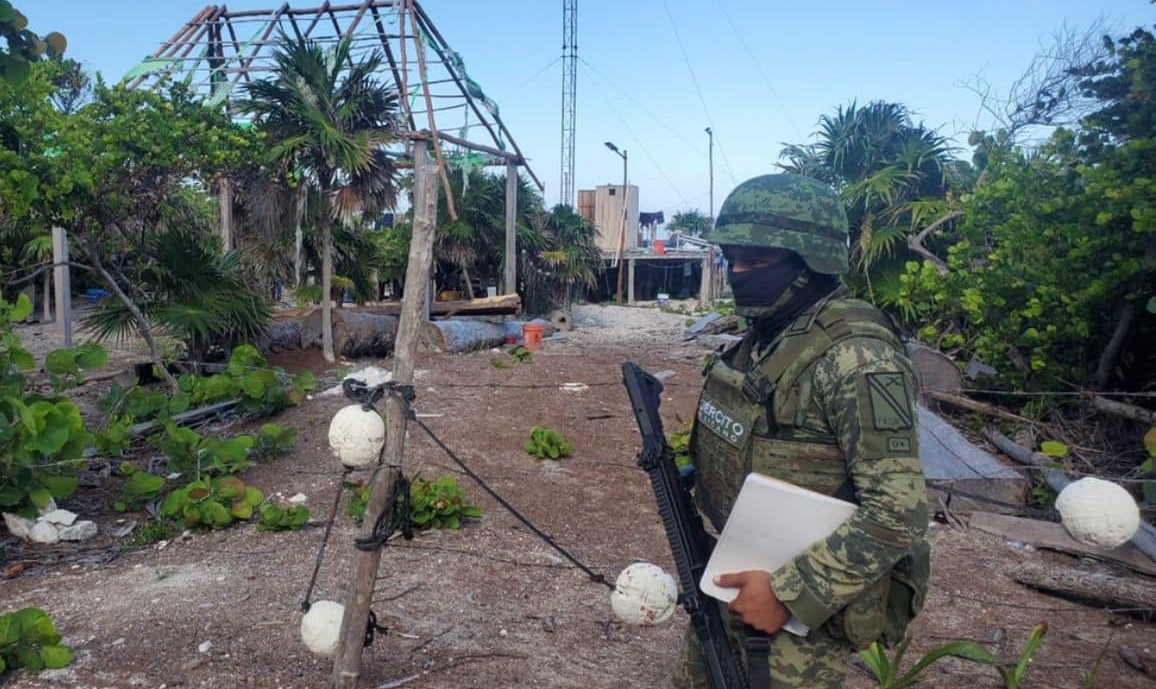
<point x="827" y="403"/>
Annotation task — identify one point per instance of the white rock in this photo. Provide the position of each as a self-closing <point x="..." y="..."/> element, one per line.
<point x="80" y="531"/>
<point x="62" y="517"/>
<point x="321" y="627"/>
<point x="18" y="526"/>
<point x="356" y="436"/>
<point x="297" y="499"/>
<point x="43" y="532"/>
<point x="644" y="595"/>
<point x="1098" y="512"/>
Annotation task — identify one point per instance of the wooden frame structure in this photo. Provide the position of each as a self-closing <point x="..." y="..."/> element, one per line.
<point x="217" y="50"/>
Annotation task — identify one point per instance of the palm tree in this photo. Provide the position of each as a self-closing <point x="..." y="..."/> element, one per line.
<point x="692" y="223"/>
<point x="893" y="174"/>
<point x="328" y="122"/>
<point x="560" y="255"/>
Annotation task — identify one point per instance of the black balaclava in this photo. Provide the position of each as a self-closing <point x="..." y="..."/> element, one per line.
<point x="772" y="296"/>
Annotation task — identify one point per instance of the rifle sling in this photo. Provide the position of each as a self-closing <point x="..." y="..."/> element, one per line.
<point x="758" y="668"/>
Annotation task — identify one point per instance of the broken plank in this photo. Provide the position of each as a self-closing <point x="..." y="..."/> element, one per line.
<point x="1053" y="536"/>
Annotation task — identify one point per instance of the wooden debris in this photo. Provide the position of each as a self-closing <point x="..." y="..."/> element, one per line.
<point x="1053" y="536"/>
<point x="1145" y="538"/>
<point x="1120" y="592"/>
<point x="1127" y="411"/>
<point x="958" y="471"/>
<point x="1140" y="659"/>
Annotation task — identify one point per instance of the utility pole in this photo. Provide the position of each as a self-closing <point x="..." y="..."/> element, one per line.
<point x="625" y="209"/>
<point x="710" y="154"/>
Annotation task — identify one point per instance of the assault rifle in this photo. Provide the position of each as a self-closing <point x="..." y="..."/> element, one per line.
<point x="689" y="543"/>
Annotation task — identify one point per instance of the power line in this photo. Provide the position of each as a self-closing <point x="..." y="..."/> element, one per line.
<point x="636" y="138"/>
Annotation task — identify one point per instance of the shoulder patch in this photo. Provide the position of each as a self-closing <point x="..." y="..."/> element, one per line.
<point x="890" y="408"/>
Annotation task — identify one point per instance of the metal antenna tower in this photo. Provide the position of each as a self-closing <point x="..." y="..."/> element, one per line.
<point x="569" y="96"/>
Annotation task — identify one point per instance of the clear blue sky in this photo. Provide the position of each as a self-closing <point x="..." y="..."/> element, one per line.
<point x="653" y="74"/>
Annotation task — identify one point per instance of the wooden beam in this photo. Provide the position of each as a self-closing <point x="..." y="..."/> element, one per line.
<point x="347" y="665"/>
<point x="511" y="256"/>
<point x="1053" y="536"/>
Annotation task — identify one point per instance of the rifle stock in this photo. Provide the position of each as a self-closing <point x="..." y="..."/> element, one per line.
<point x="689" y="543"/>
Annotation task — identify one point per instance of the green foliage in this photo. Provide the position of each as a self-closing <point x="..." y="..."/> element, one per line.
<point x="140" y="488"/>
<point x="23" y="46"/>
<point x="679" y="442"/>
<point x="152" y="531"/>
<point x="42" y="438"/>
<point x="358" y="499"/>
<point x="888" y="671"/>
<point x="437" y="504"/>
<point x="28" y="639"/>
<point x="520" y="354"/>
<point x="273" y="440"/>
<point x="546" y="443"/>
<point x="1013" y="672"/>
<point x="440" y="504"/>
<point x="275" y="518"/>
<point x="212" y="503"/>
<point x="693" y="223"/>
<point x="191" y="454"/>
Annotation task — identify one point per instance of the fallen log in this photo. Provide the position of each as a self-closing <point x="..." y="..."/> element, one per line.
<point x="359" y="334"/>
<point x="457" y="336"/>
<point x="280" y="335"/>
<point x="1113" y="591"/>
<point x="1145" y="538"/>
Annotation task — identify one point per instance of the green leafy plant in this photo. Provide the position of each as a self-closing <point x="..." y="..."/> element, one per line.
<point x="140" y="487"/>
<point x="546" y="443"/>
<point x="440" y="504"/>
<point x="1147" y="469"/>
<point x="520" y="354"/>
<point x="1013" y="672"/>
<point x="679" y="442"/>
<point x="272" y="440"/>
<point x="28" y="639"/>
<point x="42" y="437"/>
<point x="152" y="531"/>
<point x="190" y="453"/>
<point x="212" y="504"/>
<point x="888" y="671"/>
<point x="358" y="500"/>
<point x="275" y="518"/>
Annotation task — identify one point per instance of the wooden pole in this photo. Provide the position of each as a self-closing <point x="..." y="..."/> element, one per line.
<point x="511" y="276"/>
<point x="347" y="667"/>
<point x="63" y="284"/>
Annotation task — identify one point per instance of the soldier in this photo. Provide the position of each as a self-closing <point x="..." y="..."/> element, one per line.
<point x="821" y="393"/>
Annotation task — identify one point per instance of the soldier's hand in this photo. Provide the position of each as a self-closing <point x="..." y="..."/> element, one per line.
<point x="756" y="603"/>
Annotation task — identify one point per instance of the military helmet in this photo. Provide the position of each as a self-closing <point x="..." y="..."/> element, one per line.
<point x="787" y="211"/>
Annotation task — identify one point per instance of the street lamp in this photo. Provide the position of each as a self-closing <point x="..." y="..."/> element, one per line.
<point x="625" y="209"/>
<point x="710" y="137"/>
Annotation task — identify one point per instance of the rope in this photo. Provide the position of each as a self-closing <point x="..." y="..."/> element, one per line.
<point x="405" y="394"/>
<point x="306" y="604"/>
<point x="594" y="577"/>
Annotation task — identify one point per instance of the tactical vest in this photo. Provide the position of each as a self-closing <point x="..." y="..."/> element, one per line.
<point x="752" y="417"/>
<point x="751" y="412"/>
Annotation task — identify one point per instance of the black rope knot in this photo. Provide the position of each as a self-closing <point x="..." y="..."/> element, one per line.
<point x="395" y="516"/>
<point x="372" y="628"/>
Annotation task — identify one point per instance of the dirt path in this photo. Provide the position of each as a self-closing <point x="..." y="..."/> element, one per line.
<point x="491" y="605"/>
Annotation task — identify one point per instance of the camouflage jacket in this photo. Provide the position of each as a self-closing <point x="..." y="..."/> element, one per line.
<point x="827" y="405"/>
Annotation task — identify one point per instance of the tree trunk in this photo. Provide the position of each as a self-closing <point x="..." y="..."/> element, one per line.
<point x="1103" y="588"/>
<point x="1112" y="349"/>
<point x="457" y="336"/>
<point x="326" y="288"/>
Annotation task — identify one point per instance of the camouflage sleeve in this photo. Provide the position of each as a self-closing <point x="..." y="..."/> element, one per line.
<point x="863" y="393"/>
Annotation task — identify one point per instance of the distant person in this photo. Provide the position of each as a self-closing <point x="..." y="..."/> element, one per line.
<point x="819" y="393"/>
